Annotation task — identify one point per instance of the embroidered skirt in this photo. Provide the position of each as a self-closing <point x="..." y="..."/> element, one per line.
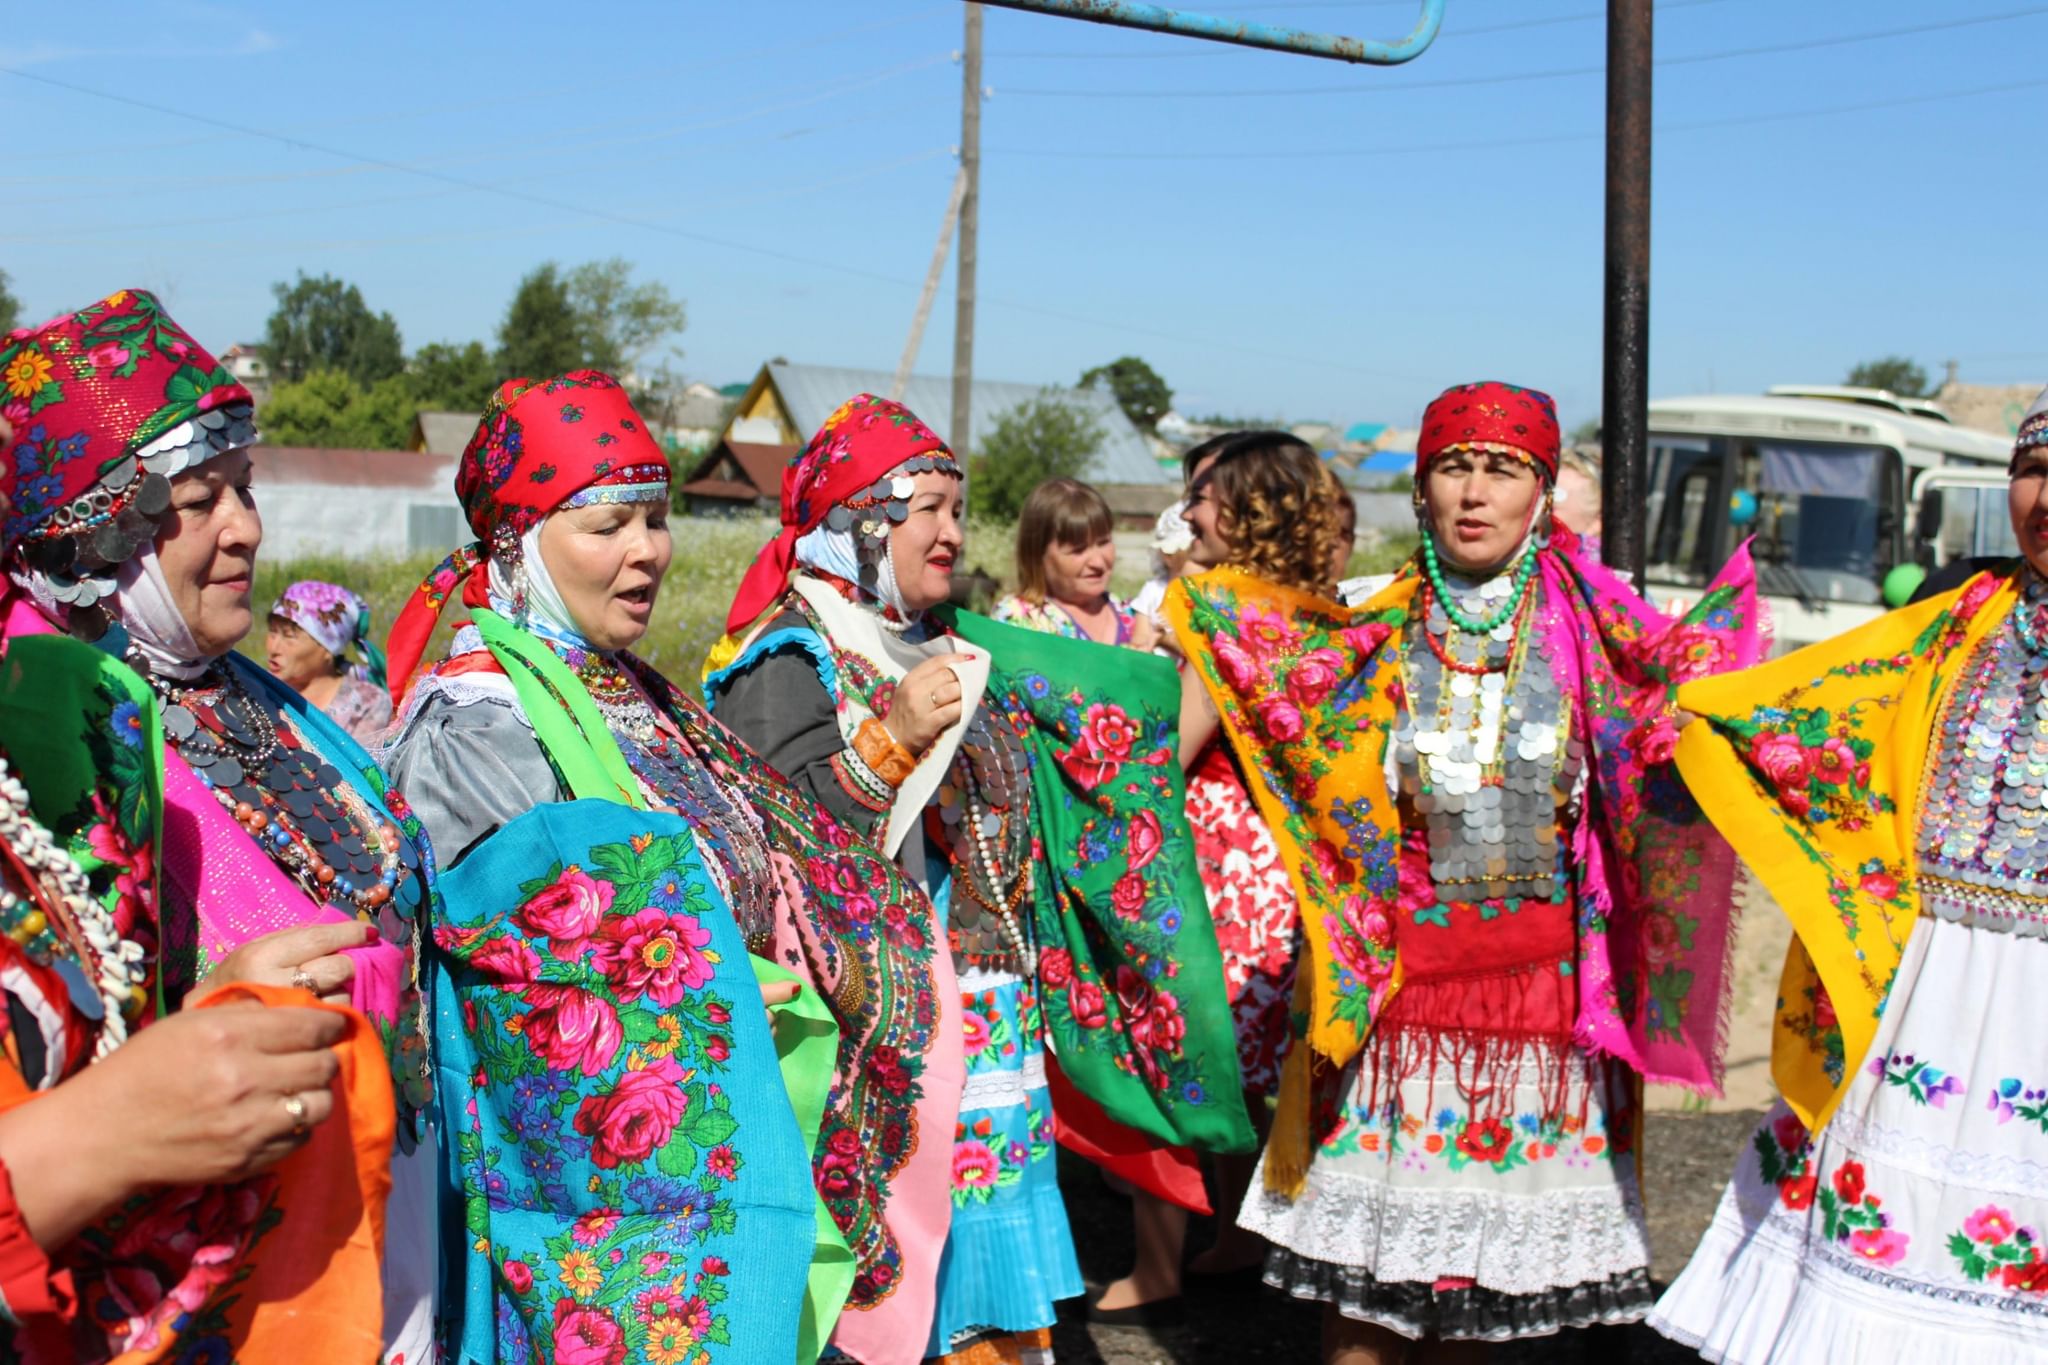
<point x="1420" y="1217"/>
<point x="1009" y="1254"/>
<point x="1912" y="1229"/>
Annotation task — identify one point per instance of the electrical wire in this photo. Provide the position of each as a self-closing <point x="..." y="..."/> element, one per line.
<point x="1517" y="77"/>
<point x="1701" y="125"/>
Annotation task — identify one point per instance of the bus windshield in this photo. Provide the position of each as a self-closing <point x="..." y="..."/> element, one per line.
<point x="1823" y="515"/>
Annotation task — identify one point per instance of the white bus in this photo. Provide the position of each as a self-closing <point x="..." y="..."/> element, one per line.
<point x="1835" y="493"/>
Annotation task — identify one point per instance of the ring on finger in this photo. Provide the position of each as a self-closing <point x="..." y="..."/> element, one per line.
<point x="302" y="980"/>
<point x="296" y="1107"/>
<point x="935" y="699"/>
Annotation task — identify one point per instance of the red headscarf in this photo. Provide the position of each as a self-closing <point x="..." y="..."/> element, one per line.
<point x="863" y="442"/>
<point x="1490" y="416"/>
<point x="539" y="445"/>
<point x="107" y="403"/>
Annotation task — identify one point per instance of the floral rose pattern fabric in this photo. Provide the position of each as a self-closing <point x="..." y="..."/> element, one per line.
<point x="633" y="1183"/>
<point x="1130" y="978"/>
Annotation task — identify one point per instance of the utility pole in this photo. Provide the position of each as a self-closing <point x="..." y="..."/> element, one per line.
<point x="961" y="435"/>
<point x="915" y="341"/>
<point x="1625" y="381"/>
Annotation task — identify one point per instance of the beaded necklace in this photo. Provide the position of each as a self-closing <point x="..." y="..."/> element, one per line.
<point x="296" y="806"/>
<point x="66" y="928"/>
<point x="1525" y="572"/>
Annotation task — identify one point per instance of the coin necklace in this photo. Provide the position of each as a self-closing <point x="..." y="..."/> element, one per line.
<point x="295" y="806"/>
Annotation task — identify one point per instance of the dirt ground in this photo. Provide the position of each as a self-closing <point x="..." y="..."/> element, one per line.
<point x="1688" y="1159"/>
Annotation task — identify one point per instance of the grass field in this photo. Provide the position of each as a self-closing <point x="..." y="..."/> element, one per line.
<point x="711" y="555"/>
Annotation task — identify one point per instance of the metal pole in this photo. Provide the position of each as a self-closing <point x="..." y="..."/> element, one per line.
<point x="1159" y="19"/>
<point x="1625" y="383"/>
<point x="915" y="341"/>
<point x="961" y="434"/>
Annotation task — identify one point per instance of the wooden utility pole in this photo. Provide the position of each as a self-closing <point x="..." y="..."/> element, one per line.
<point x="915" y="342"/>
<point x="961" y="436"/>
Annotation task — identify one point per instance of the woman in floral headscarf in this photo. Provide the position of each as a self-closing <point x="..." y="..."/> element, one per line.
<point x="1505" y="925"/>
<point x="845" y="683"/>
<point x="285" y="865"/>
<point x="312" y="628"/>
<point x="1886" y="787"/>
<point x="663" y="1203"/>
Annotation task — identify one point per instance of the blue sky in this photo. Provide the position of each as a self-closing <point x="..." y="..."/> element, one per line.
<point x="1277" y="235"/>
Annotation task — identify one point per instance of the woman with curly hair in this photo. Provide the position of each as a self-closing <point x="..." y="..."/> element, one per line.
<point x="1497" y="942"/>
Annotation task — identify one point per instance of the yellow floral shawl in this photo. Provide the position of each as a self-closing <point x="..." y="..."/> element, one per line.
<point x="1813" y="766"/>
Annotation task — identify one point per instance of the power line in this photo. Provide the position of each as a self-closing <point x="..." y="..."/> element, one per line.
<point x="1694" y="59"/>
<point x="539" y="152"/>
<point x="588" y="211"/>
<point x="525" y="95"/>
<point x="1737" y="120"/>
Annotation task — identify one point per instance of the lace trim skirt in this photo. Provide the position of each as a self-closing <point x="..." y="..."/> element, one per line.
<point x="1460" y="1312"/>
<point x="1433" y="1213"/>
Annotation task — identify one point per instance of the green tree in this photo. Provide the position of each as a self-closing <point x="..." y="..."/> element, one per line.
<point x="1585" y="433"/>
<point x="322" y="323"/>
<point x="10" y="306"/>
<point x="1047" y="437"/>
<point x="621" y="321"/>
<point x="329" y="409"/>
<point x="1139" y="390"/>
<point x="593" y="316"/>
<point x="541" y="334"/>
<point x="1893" y="372"/>
<point x="445" y="377"/>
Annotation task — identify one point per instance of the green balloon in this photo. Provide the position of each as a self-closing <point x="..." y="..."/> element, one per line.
<point x="1901" y="583"/>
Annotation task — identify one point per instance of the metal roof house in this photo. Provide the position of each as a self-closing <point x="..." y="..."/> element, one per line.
<point x="787" y="402"/>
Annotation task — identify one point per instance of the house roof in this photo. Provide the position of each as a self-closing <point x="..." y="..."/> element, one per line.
<point x="446" y="433"/>
<point x="810" y="394"/>
<point x="699" y="411"/>
<point x="1364" y="433"/>
<point x="316" y="466"/>
<point x="762" y="464"/>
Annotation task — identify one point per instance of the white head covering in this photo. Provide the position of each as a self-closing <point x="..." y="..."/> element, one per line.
<point x="156" y="628"/>
<point x="526" y="594"/>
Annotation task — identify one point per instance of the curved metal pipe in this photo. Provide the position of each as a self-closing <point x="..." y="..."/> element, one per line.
<point x="1159" y="19"/>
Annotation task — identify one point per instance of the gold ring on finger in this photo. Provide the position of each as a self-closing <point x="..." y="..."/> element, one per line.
<point x="296" y="1107"/>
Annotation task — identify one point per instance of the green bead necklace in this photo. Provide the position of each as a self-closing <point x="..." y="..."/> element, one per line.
<point x="1524" y="571"/>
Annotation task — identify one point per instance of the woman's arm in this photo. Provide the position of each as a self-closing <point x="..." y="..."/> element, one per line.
<point x="781" y="709"/>
<point x="469" y="770"/>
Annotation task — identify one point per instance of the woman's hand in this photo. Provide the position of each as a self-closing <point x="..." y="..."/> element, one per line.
<point x="202" y="1097"/>
<point x="926" y="702"/>
<point x="309" y="957"/>
<point x="1144" y="635"/>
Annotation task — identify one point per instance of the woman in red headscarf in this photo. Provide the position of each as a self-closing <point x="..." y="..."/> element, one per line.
<point x="179" y="1179"/>
<point x="1505" y="925"/>
<point x="846" y="682"/>
<point x="540" y="700"/>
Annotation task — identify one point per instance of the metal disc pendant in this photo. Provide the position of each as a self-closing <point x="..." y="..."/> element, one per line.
<point x="226" y="772"/>
<point x="153" y="499"/>
<point x="179" y="723"/>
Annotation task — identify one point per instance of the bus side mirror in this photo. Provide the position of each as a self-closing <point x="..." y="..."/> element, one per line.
<point x="1927" y="521"/>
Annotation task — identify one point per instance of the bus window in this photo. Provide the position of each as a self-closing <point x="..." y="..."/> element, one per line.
<point x="1681" y="514"/>
<point x="1827" y="515"/>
